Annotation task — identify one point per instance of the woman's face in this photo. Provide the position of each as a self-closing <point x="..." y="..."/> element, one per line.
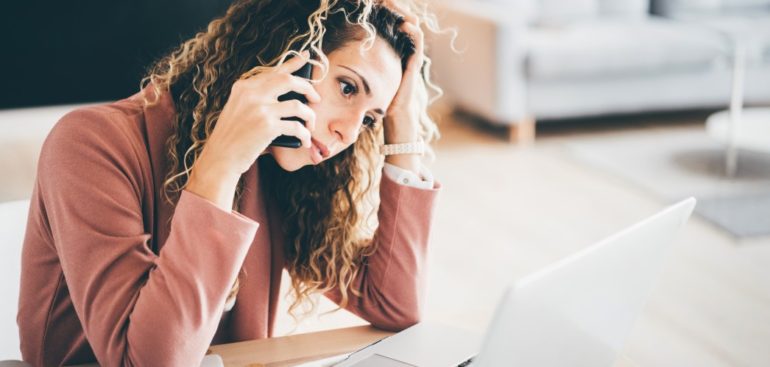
<point x="355" y="93"/>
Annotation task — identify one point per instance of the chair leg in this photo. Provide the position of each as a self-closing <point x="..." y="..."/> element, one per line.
<point x="522" y="131"/>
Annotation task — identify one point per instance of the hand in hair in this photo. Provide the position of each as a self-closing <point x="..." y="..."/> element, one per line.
<point x="249" y="122"/>
<point x="402" y="122"/>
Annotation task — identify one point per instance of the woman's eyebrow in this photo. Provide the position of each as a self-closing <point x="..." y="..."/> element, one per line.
<point x="366" y="87"/>
<point x="363" y="80"/>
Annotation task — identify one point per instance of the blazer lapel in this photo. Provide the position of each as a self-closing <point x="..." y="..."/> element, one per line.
<point x="251" y="310"/>
<point x="159" y="120"/>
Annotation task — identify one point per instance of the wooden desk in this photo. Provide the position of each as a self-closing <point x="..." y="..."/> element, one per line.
<point x="301" y="348"/>
<point x="296" y="349"/>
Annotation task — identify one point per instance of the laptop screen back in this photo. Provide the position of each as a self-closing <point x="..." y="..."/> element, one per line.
<point x="579" y="311"/>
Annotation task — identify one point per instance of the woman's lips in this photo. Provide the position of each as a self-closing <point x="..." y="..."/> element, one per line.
<point x="318" y="151"/>
<point x="321" y="146"/>
<point x="315" y="156"/>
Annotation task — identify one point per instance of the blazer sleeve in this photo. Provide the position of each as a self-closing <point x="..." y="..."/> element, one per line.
<point x="392" y="279"/>
<point x="135" y="308"/>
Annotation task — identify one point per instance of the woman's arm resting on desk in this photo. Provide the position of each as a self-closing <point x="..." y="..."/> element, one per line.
<point x="392" y="279"/>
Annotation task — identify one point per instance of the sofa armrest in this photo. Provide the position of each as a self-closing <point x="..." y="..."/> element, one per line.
<point x="487" y="75"/>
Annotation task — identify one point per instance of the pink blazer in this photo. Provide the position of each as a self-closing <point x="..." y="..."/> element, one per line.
<point x="112" y="272"/>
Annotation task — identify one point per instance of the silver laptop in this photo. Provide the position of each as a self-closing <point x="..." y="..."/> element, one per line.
<point x="576" y="312"/>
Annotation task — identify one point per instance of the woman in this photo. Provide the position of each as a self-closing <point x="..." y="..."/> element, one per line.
<point x="161" y="223"/>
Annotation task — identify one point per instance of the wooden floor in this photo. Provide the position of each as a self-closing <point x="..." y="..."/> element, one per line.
<point x="506" y="211"/>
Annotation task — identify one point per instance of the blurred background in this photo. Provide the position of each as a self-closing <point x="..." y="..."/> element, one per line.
<point x="563" y="121"/>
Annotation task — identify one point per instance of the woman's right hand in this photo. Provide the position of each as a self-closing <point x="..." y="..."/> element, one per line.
<point x="249" y="122"/>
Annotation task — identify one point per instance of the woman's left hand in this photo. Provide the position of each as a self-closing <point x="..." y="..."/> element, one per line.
<point x="402" y="121"/>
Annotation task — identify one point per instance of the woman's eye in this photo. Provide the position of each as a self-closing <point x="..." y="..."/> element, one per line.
<point x="347" y="89"/>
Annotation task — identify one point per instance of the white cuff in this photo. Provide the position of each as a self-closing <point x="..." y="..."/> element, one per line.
<point x="229" y="305"/>
<point x="409" y="178"/>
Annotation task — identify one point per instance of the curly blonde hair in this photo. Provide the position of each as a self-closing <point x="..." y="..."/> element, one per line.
<point x="328" y="211"/>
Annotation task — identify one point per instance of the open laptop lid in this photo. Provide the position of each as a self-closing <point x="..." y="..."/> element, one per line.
<point x="579" y="311"/>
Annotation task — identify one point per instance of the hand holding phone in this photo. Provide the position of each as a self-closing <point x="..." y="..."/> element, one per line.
<point x="285" y="140"/>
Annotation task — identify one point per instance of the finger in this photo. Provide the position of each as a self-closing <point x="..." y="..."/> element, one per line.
<point x="281" y="84"/>
<point x="302" y="86"/>
<point x="297" y="109"/>
<point x="415" y="33"/>
<point x="410" y="18"/>
<point x="296" y="129"/>
<point x="387" y="3"/>
<point x="295" y="63"/>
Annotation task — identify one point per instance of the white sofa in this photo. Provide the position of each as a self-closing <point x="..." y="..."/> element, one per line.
<point x="523" y="61"/>
<point x="744" y="21"/>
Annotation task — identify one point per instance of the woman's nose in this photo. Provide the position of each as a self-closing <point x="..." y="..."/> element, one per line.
<point x="346" y="128"/>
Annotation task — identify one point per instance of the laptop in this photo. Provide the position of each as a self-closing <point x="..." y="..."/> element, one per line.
<point x="575" y="312"/>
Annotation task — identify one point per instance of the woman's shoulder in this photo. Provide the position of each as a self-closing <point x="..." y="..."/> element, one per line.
<point x="115" y="120"/>
<point x="107" y="132"/>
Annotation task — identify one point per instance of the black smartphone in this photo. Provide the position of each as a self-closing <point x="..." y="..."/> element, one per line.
<point x="287" y="141"/>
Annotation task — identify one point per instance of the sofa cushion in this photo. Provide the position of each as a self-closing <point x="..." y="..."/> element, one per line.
<point x="621" y="47"/>
<point x="750" y="28"/>
<point x="560" y="12"/>
<point x="728" y="4"/>
<point x="624" y="8"/>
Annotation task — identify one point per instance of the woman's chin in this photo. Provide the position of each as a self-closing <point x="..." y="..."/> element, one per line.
<point x="289" y="159"/>
<point x="291" y="165"/>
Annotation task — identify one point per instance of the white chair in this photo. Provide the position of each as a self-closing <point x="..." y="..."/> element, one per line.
<point x="13" y="221"/>
<point x="24" y="131"/>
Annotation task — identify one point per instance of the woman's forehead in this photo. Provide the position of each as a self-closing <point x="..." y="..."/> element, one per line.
<point x="378" y="64"/>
